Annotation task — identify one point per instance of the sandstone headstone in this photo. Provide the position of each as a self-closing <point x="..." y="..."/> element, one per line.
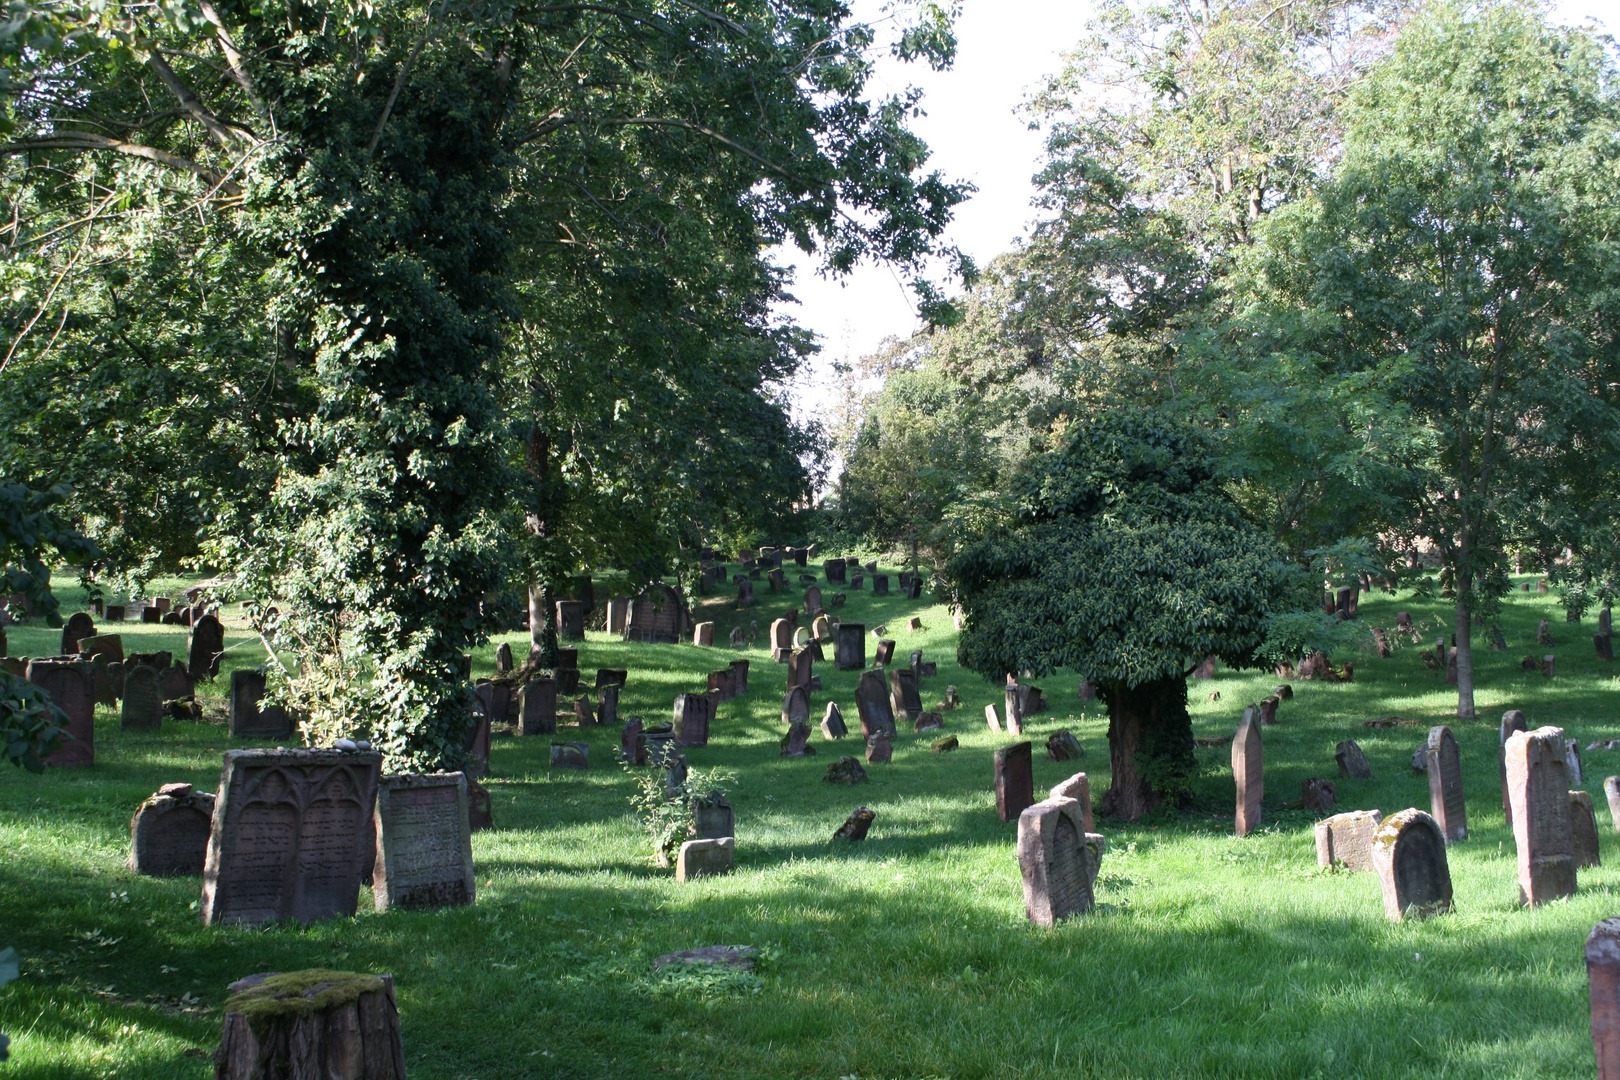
<point x="143" y="701"/>
<point x="607" y="705"/>
<point x="1346" y="839"/>
<point x="169" y="832"/>
<point x="796" y="706"/>
<point x="879" y="750"/>
<point x="1352" y="762"/>
<point x="1584" y="830"/>
<point x="1611" y="791"/>
<point x="849" y="646"/>
<point x="903" y="696"/>
<point x="71" y="684"/>
<point x="846" y="770"/>
<point x="1446" y="785"/>
<point x="885" y="653"/>
<point x="570" y="755"/>
<point x="174" y="682"/>
<point x="705" y="858"/>
<point x="1543" y="634"/>
<point x="1548" y="665"/>
<point x="812" y="600"/>
<point x="1078" y="788"/>
<point x="1063" y="746"/>
<point x="832" y="724"/>
<point x="1409" y="856"/>
<point x="109" y="646"/>
<point x="503" y="658"/>
<point x="872" y="704"/>
<point x="929" y="721"/>
<point x="713" y="816"/>
<point x="633" y="743"/>
<point x="204" y="648"/>
<point x="1248" y="772"/>
<point x="1603" y="990"/>
<point x="1014" y="780"/>
<point x="1205" y="668"/>
<point x="703" y="634"/>
<point x="801" y="667"/>
<point x="693" y="714"/>
<point x="1059" y="861"/>
<point x="424" y="842"/>
<point x="584" y="716"/>
<point x="796" y="743"/>
<point x="537" y="713"/>
<point x="292" y="835"/>
<point x="571" y="620"/>
<point x="1538" y="785"/>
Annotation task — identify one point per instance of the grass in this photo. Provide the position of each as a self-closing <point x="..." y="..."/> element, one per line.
<point x="906" y="956"/>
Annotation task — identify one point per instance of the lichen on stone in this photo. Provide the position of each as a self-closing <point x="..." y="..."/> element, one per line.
<point x="300" y="993"/>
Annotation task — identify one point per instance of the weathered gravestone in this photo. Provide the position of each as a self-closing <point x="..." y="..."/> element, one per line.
<point x="739" y="676"/>
<point x="476" y="746"/>
<point x="246" y="719"/>
<point x="1014" y="780"/>
<point x="796" y="743"/>
<point x="885" y="653"/>
<point x="633" y="743"/>
<point x="607" y="704"/>
<point x="836" y="570"/>
<point x="1205" y="668"/>
<point x="801" y="668"/>
<point x="1088" y="690"/>
<point x="832" y="724"/>
<point x="991" y="720"/>
<point x="142" y="708"/>
<point x="571" y="620"/>
<point x="846" y="770"/>
<point x="856" y="826"/>
<point x="1352" y="762"/>
<point x="1012" y="707"/>
<point x="1584" y="831"/>
<point x="611" y="677"/>
<point x="723" y="683"/>
<point x="1611" y="792"/>
<point x="424" y="842"/>
<point x="659" y="616"/>
<point x="880" y="584"/>
<point x="1248" y="772"/>
<point x="71" y="684"/>
<point x="292" y="835"/>
<point x="705" y="858"/>
<point x="879" y="749"/>
<point x="566" y="678"/>
<point x="616" y="611"/>
<point x="1604" y="645"/>
<point x="503" y="659"/>
<point x="903" y="695"/>
<point x="849" y="646"/>
<point x="812" y="600"/>
<point x="584" y="716"/>
<point x="1409" y="856"/>
<point x="174" y="682"/>
<point x="110" y="647"/>
<point x="1572" y="761"/>
<point x="570" y="755"/>
<point x="168" y="835"/>
<point x="873" y="705"/>
<point x="1063" y="746"/>
<point x="929" y="721"/>
<point x="1346" y="839"/>
<point x="1538" y="786"/>
<point x="713" y="816"/>
<point x="1078" y="788"/>
<point x="693" y="714"/>
<point x="1446" y="785"/>
<point x="1059" y="861"/>
<point x="703" y="634"/>
<point x="796" y="706"/>
<point x="204" y="647"/>
<point x="1268" y="710"/>
<point x="79" y="625"/>
<point x="537" y="713"/>
<point x="1512" y="721"/>
<point x="1603" y="991"/>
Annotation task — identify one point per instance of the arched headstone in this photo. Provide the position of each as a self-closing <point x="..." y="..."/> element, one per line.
<point x="1409" y="855"/>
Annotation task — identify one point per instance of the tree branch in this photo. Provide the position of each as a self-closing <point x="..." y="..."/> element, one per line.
<point x="189" y="101"/>
<point x="83" y="140"/>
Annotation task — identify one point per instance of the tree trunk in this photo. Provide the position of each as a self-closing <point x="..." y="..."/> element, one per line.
<point x="1464" y="624"/>
<point x="1150" y="746"/>
<point x="542" y="525"/>
<point x="355" y="1038"/>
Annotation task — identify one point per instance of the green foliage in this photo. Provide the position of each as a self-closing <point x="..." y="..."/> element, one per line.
<point x="29" y="531"/>
<point x="32" y="726"/>
<point x="668" y="813"/>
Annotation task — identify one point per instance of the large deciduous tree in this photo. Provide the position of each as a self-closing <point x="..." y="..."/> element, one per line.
<point x="1127" y="563"/>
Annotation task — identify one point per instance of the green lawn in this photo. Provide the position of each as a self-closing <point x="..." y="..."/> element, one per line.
<point x="906" y="956"/>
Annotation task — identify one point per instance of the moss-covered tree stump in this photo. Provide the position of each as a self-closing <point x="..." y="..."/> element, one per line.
<point x="330" y="1025"/>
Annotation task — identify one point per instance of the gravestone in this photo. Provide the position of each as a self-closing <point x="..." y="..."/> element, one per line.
<point x="570" y="620"/>
<point x="846" y="770"/>
<point x="796" y="706"/>
<point x="1078" y="788"/>
<point x="584" y="716"/>
<point x="633" y="742"/>
<point x="1014" y="780"/>
<point x="801" y="668"/>
<point x="1205" y="668"/>
<point x="781" y="640"/>
<point x="79" y="625"/>
<point x="607" y="704"/>
<point x="879" y="748"/>
<point x="812" y="600"/>
<point x="873" y="705"/>
<point x="1352" y="762"/>
<point x="836" y="570"/>
<point x="1063" y="746"/>
<point x="1346" y="839"/>
<point x="856" y="826"/>
<point x="570" y="755"/>
<point x="204" y="647"/>
<point x="142" y="708"/>
<point x="929" y="721"/>
<point x="1248" y="772"/>
<point x="880" y="584"/>
<point x="616" y="612"/>
<point x="110" y="647"/>
<point x="1549" y="665"/>
<point x="1409" y="856"/>
<point x="1268" y="710"/>
<point x="537" y="712"/>
<point x="821" y="628"/>
<point x="991" y="720"/>
<point x="739" y="674"/>
<point x="703" y="634"/>
<point x="115" y="613"/>
<point x="693" y="713"/>
<point x="705" y="858"/>
<point x="722" y="684"/>
<point x="1584" y="831"/>
<point x="1445" y="785"/>
<point x="796" y="743"/>
<point x="1512" y="721"/>
<point x="849" y="646"/>
<point x="1543" y="634"/>
<point x="832" y="724"/>
<point x="424" y="843"/>
<point x="1058" y="860"/>
<point x="885" y="653"/>
<point x="1318" y="795"/>
<point x="71" y="684"/>
<point x="168" y="836"/>
<point x="292" y="835"/>
<point x="566" y="678"/>
<point x="1012" y="708"/>
<point x="1572" y="761"/>
<point x="1611" y="792"/>
<point x="503" y="658"/>
<point x="246" y="720"/>
<point x="611" y="677"/>
<point x="1603" y="993"/>
<point x="1088" y="690"/>
<point x="1538" y="785"/>
<point x="477" y="745"/>
<point x="659" y="616"/>
<point x="174" y="683"/>
<point x="713" y="816"/>
<point x="903" y="695"/>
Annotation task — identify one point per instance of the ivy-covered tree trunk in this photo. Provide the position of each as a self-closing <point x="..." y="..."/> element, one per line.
<point x="1150" y="746"/>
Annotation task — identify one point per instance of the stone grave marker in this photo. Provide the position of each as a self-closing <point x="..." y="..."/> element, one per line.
<point x="713" y="816"/>
<point x="566" y="678"/>
<point x="846" y="770"/>
<point x="1078" y="788"/>
<point x="1059" y="861"/>
<point x="1409" y="856"/>
<point x="991" y="720"/>
<point x="570" y="755"/>
<point x="1063" y="746"/>
<point x="1012" y="707"/>
<point x="143" y="702"/>
<point x="835" y="571"/>
<point x="503" y="658"/>
<point x="1549" y="664"/>
<point x="1205" y="668"/>
<point x="885" y="653"/>
<point x="174" y="683"/>
<point x="1446" y="785"/>
<point x="1268" y="710"/>
<point x="607" y="704"/>
<point x="616" y="612"/>
<point x="1603" y="992"/>
<point x="424" y="842"/>
<point x="168" y="836"/>
<point x="1088" y="690"/>
<point x="703" y="634"/>
<point x="832" y="724"/>
<point x="705" y="858"/>
<point x="571" y="620"/>
<point x="879" y="748"/>
<point x="537" y="710"/>
<point x="722" y="684"/>
<point x="1538" y="786"/>
<point x="856" y="826"/>
<point x="1512" y="721"/>
<point x="929" y="721"/>
<point x="739" y="674"/>
<point x="1352" y="762"/>
<point x="110" y="647"/>
<point x="292" y="835"/>
<point x="71" y="684"/>
<point x="583" y="714"/>
<point x="1014" y="780"/>
<point x="611" y="677"/>
<point x="1572" y="761"/>
<point x="812" y="600"/>
<point x="873" y="705"/>
<point x="115" y="613"/>
<point x="246" y="720"/>
<point x="1346" y="839"/>
<point x="477" y="744"/>
<point x="849" y="646"/>
<point x="1584" y="830"/>
<point x="204" y="648"/>
<point x="633" y="742"/>
<point x="903" y="695"/>
<point x="880" y="584"/>
<point x="796" y="706"/>
<point x="796" y="743"/>
<point x="1248" y="772"/>
<point x="801" y="668"/>
<point x="693" y="714"/>
<point x="79" y="625"/>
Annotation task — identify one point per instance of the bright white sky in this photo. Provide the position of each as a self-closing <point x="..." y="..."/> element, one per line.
<point x="1005" y="48"/>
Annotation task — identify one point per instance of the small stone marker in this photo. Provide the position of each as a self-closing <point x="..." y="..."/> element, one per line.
<point x="1318" y="795"/>
<point x="1346" y="839"/>
<point x="424" y="842"/>
<point x="142" y="708"/>
<point x="1058" y="859"/>
<point x="832" y="724"/>
<point x="914" y="625"/>
<point x="1205" y="668"/>
<point x="1063" y="746"/>
<point x="168" y="835"/>
<point x="1248" y="772"/>
<point x="607" y="704"/>
<point x="538" y="714"/>
<point x="1603" y="989"/>
<point x="713" y="816"/>
<point x="703" y="634"/>
<point x="1078" y="788"/>
<point x="1548" y="665"/>
<point x="1584" y="831"/>
<point x="570" y="755"/>
<point x="1088" y="690"/>
<point x="1409" y="856"/>
<point x="705" y="858"/>
<point x="880" y="584"/>
<point x="583" y="715"/>
<point x="693" y="713"/>
<point x="879" y="750"/>
<point x="292" y="835"/>
<point x="1013" y="706"/>
<point x="740" y="957"/>
<point x="945" y="745"/>
<point x="885" y="653"/>
<point x="929" y="721"/>
<point x="1014" y="780"/>
<point x="503" y="659"/>
<point x="796" y="743"/>
<point x="1352" y="762"/>
<point x="1543" y="634"/>
<point x="801" y="668"/>
<point x="1445" y="784"/>
<point x="856" y="826"/>
<point x="991" y="720"/>
<point x="1538" y="784"/>
<point x="1572" y="761"/>
<point x="846" y="770"/>
<point x="796" y="706"/>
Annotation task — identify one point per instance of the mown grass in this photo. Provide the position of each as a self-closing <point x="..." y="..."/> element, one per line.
<point x="907" y="956"/>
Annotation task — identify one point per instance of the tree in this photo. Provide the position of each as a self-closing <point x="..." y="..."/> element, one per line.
<point x="1460" y="271"/>
<point x="1129" y="564"/>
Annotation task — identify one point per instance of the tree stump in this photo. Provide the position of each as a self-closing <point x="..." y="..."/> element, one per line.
<point x="335" y="1025"/>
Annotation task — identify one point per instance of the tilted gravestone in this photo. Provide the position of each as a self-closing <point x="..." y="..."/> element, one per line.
<point x="693" y="714"/>
<point x="796" y="706"/>
<point x="903" y="695"/>
<point x="424" y="842"/>
<point x="796" y="743"/>
<point x="538" y="711"/>
<point x="832" y="724"/>
<point x="142" y="708"/>
<point x="885" y="653"/>
<point x="584" y="716"/>
<point x="1063" y="746"/>
<point x="1409" y="856"/>
<point x="1445" y="785"/>
<point x="991" y="720"/>
<point x="1538" y="786"/>
<point x="849" y="646"/>
<point x="71" y="684"/>
<point x="607" y="704"/>
<point x="1078" y="788"/>
<point x="204" y="648"/>
<point x="292" y="835"/>
<point x="1346" y="839"/>
<point x="79" y="625"/>
<point x="168" y="835"/>
<point x="110" y="647"/>
<point x="1352" y="762"/>
<point x="570" y="755"/>
<point x="873" y="705"/>
<point x="1059" y="861"/>
<point x="703" y="634"/>
<point x="1014" y="780"/>
<point x="1248" y="772"/>
<point x="1603" y="991"/>
<point x="1584" y="831"/>
<point x="879" y="748"/>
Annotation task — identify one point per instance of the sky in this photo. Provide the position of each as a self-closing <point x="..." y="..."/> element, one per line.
<point x="1005" y="49"/>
